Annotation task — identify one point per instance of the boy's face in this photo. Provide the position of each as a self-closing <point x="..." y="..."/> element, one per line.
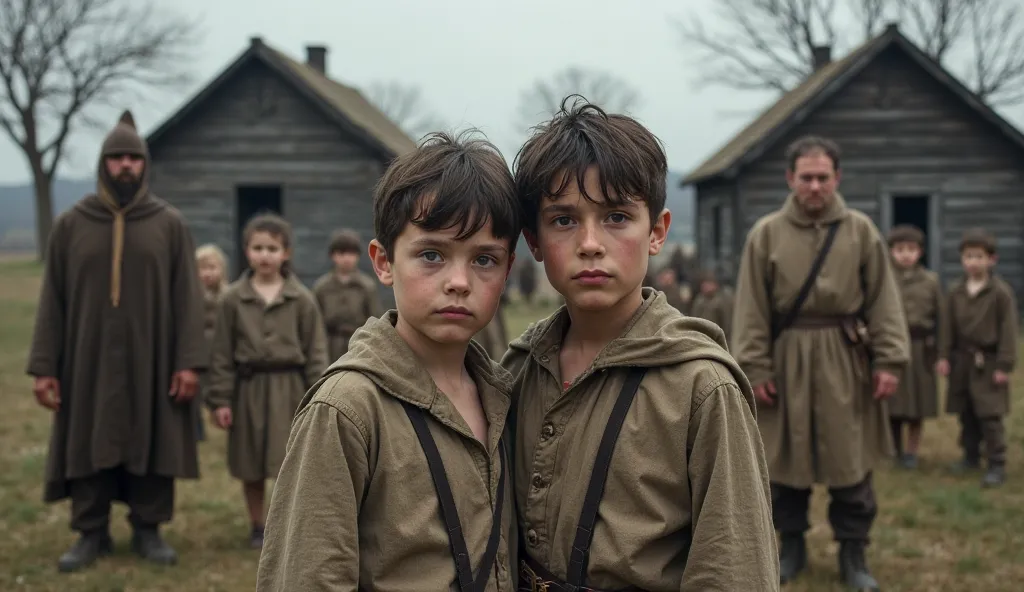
<point x="266" y="254"/>
<point x="708" y="287"/>
<point x="595" y="255"/>
<point x="445" y="290"/>
<point x="976" y="261"/>
<point x="906" y="255"/>
<point x="345" y="262"/>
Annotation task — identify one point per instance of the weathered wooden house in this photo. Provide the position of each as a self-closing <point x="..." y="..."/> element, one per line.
<point x="917" y="147"/>
<point x="270" y="133"/>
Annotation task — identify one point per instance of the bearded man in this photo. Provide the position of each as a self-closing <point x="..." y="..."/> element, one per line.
<point x="819" y="330"/>
<point x="118" y="340"/>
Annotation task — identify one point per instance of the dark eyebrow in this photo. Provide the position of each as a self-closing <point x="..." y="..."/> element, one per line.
<point x="429" y="241"/>
<point x="440" y="243"/>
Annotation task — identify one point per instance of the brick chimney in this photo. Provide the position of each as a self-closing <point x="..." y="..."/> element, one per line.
<point x="822" y="56"/>
<point x="316" y="58"/>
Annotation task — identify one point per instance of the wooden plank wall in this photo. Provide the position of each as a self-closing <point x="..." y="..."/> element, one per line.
<point x="901" y="131"/>
<point x="257" y="130"/>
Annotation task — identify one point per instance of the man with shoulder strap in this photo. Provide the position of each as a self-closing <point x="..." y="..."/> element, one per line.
<point x="820" y="333"/>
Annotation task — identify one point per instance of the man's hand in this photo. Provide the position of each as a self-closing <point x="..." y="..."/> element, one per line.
<point x="222" y="417"/>
<point x="184" y="384"/>
<point x="885" y="384"/>
<point x="47" y="392"/>
<point x="1000" y="378"/>
<point x="942" y="367"/>
<point x="765" y="393"/>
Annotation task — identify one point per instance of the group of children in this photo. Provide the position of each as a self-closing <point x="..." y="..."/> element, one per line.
<point x="270" y="340"/>
<point x="417" y="461"/>
<point x="968" y="336"/>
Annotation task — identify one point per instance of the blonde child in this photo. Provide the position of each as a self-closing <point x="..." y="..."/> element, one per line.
<point x="269" y="347"/>
<point x="212" y="265"/>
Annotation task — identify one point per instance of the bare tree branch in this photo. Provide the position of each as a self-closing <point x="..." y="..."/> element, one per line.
<point x="763" y="44"/>
<point x="937" y="24"/>
<point x="544" y="98"/>
<point x="997" y="35"/>
<point x="61" y="58"/>
<point x="768" y="44"/>
<point x="404" y="105"/>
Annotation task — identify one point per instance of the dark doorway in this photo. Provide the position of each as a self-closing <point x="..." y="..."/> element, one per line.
<point x="252" y="200"/>
<point x="913" y="210"/>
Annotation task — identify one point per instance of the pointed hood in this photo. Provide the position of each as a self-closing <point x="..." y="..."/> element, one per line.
<point x="123" y="139"/>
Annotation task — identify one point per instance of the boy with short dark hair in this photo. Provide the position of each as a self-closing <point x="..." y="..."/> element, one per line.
<point x="347" y="296"/>
<point x="396" y="475"/>
<point x="978" y="353"/>
<point x="638" y="462"/>
<point x="924" y="305"/>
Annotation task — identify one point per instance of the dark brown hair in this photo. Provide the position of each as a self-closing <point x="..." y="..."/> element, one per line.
<point x="344" y="241"/>
<point x="448" y="182"/>
<point x="906" y="233"/>
<point x="275" y="226"/>
<point x="809" y="145"/>
<point x="978" y="238"/>
<point x="630" y="160"/>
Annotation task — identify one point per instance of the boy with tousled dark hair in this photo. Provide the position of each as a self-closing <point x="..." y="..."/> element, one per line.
<point x="638" y="464"/>
<point x="347" y="296"/>
<point x="396" y="475"/>
<point x="978" y="352"/>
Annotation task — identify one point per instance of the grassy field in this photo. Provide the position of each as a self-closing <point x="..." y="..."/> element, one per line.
<point x="934" y="531"/>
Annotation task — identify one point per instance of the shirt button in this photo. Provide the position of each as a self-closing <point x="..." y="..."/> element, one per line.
<point x="531" y="537"/>
<point x="544" y="359"/>
<point x="538" y="481"/>
<point x="547" y="431"/>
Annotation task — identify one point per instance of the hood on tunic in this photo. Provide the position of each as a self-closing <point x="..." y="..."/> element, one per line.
<point x="834" y="211"/>
<point x="106" y="204"/>
<point x="657" y="335"/>
<point x="377" y="351"/>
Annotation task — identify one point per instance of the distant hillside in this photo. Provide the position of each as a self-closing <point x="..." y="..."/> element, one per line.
<point x="682" y="203"/>
<point x="17" y="202"/>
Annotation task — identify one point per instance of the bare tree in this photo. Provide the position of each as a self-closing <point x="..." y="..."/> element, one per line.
<point x="769" y="44"/>
<point x="404" y="105"/>
<point x="59" y="59"/>
<point x="544" y="97"/>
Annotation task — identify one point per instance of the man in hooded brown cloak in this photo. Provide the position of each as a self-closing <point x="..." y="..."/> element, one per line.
<point x="118" y="339"/>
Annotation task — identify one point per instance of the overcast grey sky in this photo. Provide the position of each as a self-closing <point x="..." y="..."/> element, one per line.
<point x="472" y="59"/>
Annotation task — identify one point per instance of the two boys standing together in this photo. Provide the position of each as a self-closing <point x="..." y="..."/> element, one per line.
<point x="416" y="461"/>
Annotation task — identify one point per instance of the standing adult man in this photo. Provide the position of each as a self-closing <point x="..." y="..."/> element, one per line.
<point x="820" y="333"/>
<point x="118" y="338"/>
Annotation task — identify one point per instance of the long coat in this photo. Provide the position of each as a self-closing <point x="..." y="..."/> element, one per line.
<point x="981" y="328"/>
<point x="825" y="426"/>
<point x="115" y="363"/>
<point x="265" y="356"/>
<point x="925" y="307"/>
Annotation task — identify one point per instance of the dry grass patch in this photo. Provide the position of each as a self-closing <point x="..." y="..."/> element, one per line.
<point x="934" y="531"/>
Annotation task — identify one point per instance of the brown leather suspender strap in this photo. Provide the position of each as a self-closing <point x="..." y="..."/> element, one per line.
<point x="456" y="537"/>
<point x="579" y="557"/>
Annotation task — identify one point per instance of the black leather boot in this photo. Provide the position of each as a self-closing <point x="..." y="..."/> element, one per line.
<point x="87" y="549"/>
<point x="148" y="544"/>
<point x="792" y="556"/>
<point x="995" y="476"/>
<point x="853" y="567"/>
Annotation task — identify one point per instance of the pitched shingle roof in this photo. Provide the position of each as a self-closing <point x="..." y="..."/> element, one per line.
<point x="797" y="104"/>
<point x="343" y="104"/>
